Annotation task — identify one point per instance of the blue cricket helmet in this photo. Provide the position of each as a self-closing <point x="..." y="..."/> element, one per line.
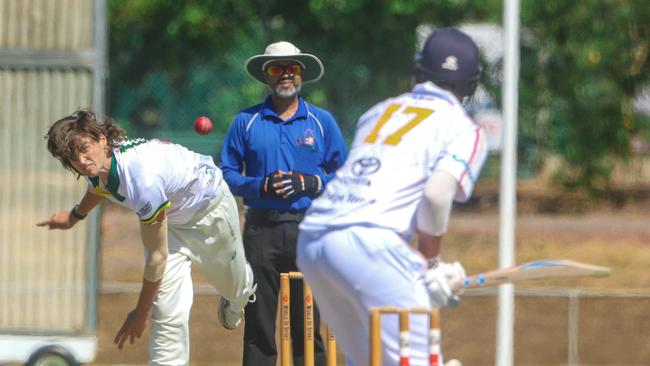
<point x="449" y="58"/>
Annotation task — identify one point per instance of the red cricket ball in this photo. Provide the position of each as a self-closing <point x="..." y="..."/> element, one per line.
<point x="202" y="125"/>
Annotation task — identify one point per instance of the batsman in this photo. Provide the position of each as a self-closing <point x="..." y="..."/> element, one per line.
<point x="411" y="157"/>
<point x="187" y="216"/>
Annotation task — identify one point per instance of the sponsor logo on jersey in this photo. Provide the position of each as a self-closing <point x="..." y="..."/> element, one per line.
<point x="144" y="210"/>
<point x="361" y="181"/>
<point x="366" y="166"/>
<point x="210" y="173"/>
<point x="348" y="198"/>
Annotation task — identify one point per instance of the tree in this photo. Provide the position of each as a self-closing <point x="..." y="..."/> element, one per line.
<point x="582" y="64"/>
<point x="580" y="72"/>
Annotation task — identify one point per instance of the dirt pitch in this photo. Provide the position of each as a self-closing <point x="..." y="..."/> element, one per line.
<point x="612" y="331"/>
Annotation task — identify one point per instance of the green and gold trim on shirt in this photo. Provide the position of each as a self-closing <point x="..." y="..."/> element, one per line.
<point x="113" y="183"/>
<point x="99" y="190"/>
<point x="158" y="211"/>
<point x="128" y="144"/>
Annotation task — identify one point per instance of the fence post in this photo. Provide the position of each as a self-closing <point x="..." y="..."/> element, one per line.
<point x="574" y="317"/>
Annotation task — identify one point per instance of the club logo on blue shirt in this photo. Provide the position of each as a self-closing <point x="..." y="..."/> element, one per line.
<point x="308" y="139"/>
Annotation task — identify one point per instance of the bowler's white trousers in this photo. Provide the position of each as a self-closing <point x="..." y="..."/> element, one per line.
<point x="212" y="242"/>
<point x="356" y="268"/>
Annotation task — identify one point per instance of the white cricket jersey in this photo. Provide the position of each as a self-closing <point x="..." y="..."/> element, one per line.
<point x="148" y="176"/>
<point x="398" y="144"/>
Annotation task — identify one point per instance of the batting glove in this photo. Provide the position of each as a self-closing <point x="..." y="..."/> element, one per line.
<point x="438" y="279"/>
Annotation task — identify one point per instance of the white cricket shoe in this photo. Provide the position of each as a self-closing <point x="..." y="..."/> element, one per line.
<point x="230" y="314"/>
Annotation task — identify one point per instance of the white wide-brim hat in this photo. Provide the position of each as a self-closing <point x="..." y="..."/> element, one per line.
<point x="313" y="69"/>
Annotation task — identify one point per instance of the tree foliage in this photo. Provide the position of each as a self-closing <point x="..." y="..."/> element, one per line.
<point x="582" y="63"/>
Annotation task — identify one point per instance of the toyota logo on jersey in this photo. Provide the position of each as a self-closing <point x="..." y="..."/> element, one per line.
<point x="366" y="166"/>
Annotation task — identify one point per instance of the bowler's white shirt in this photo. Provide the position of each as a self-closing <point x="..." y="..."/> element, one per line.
<point x="148" y="176"/>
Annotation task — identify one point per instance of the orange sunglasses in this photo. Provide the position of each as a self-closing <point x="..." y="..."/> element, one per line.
<point x="277" y="70"/>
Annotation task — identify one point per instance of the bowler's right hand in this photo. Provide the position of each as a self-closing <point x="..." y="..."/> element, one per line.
<point x="60" y="220"/>
<point x="132" y="328"/>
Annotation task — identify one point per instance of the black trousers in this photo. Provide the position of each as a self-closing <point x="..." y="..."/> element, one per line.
<point x="270" y="243"/>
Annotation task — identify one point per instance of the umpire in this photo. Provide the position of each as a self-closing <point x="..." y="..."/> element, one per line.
<point x="288" y="150"/>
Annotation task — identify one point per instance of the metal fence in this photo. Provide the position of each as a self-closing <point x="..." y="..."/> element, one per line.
<point x="51" y="62"/>
<point x="553" y="326"/>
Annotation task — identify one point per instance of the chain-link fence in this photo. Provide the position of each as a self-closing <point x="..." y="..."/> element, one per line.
<point x="159" y="108"/>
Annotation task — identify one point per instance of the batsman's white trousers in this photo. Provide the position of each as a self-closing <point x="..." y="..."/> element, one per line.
<point x="354" y="269"/>
<point x="212" y="242"/>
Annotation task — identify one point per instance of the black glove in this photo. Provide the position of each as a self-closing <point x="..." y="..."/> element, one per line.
<point x="268" y="190"/>
<point x="300" y="184"/>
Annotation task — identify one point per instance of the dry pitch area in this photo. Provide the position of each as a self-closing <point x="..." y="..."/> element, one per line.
<point x="612" y="332"/>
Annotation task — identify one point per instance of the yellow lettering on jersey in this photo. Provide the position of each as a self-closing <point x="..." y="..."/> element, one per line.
<point x="388" y="113"/>
<point x="420" y="115"/>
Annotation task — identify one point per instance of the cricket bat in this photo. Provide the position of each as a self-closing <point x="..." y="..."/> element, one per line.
<point x="542" y="269"/>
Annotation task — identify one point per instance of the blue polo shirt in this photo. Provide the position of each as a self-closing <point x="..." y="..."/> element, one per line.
<point x="259" y="142"/>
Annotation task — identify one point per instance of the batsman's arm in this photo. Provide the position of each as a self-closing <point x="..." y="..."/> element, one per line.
<point x="67" y="219"/>
<point x="432" y="220"/>
<point x="154" y="239"/>
<point x="433" y="212"/>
